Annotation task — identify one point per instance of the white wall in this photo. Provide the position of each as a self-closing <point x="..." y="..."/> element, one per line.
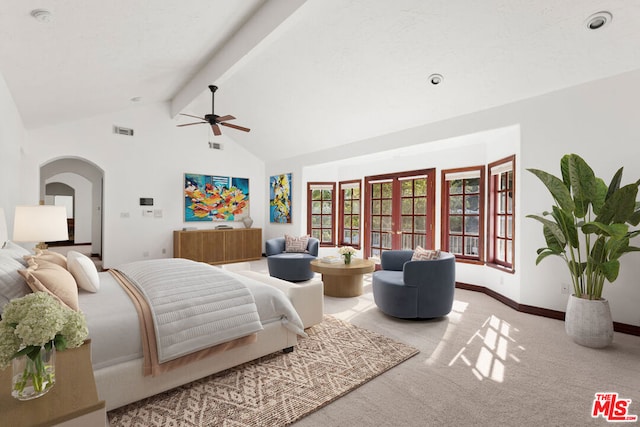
<point x="12" y="136"/>
<point x="149" y="164"/>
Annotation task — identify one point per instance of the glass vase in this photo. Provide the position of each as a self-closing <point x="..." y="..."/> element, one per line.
<point x="33" y="375"/>
<point x="347" y="258"/>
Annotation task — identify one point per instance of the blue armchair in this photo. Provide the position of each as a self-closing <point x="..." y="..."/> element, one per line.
<point x="290" y="266"/>
<point x="414" y="289"/>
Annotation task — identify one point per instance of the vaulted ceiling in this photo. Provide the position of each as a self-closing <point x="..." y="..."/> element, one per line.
<point x="305" y="75"/>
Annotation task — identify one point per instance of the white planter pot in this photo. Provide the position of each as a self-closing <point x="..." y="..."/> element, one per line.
<point x="589" y="322"/>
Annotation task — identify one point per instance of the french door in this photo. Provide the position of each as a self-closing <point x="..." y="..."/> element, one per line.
<point x="400" y="211"/>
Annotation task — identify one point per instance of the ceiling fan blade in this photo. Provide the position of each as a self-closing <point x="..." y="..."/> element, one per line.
<point x="189" y="124"/>
<point x="216" y="130"/>
<point x="225" y="118"/>
<point x="195" y="117"/>
<point x="236" y="127"/>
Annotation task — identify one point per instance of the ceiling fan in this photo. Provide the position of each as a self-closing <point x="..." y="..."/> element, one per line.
<point x="213" y="119"/>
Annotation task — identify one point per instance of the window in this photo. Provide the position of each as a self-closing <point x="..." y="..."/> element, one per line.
<point x="502" y="188"/>
<point x="349" y="214"/>
<point x="463" y="212"/>
<point x="399" y="212"/>
<point x="321" y="212"/>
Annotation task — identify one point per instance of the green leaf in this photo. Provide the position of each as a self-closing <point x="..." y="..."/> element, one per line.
<point x="614" y="185"/>
<point x="565" y="221"/>
<point x="552" y="232"/>
<point x="610" y="270"/>
<point x="559" y="191"/>
<point x="620" y="206"/>
<point x="545" y="252"/>
<point x="583" y="184"/>
<point x="600" y="196"/>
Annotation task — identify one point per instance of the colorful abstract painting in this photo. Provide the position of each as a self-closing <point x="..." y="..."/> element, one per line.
<point x="280" y="198"/>
<point x="215" y="198"/>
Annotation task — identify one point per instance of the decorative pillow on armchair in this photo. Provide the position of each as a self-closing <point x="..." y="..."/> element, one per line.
<point x="296" y="244"/>
<point x="421" y="254"/>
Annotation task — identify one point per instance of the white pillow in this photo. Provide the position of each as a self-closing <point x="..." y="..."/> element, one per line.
<point x="84" y="271"/>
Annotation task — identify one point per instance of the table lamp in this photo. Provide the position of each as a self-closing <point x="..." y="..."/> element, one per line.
<point x="42" y="223"/>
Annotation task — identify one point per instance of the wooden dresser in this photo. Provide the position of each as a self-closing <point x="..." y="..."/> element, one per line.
<point x="218" y="246"/>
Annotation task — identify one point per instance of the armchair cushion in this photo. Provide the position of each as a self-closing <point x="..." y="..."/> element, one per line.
<point x="295" y="244"/>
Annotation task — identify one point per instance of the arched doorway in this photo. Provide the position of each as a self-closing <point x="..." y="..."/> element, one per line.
<point x="83" y="180"/>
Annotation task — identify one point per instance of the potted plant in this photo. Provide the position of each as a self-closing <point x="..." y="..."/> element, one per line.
<point x="589" y="228"/>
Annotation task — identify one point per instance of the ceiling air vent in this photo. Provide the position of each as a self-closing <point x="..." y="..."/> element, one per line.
<point x="122" y="131"/>
<point x="215" y="145"/>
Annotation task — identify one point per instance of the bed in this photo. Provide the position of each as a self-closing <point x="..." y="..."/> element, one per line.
<point x="117" y="338"/>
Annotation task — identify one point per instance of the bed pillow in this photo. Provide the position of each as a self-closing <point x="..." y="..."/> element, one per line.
<point x="421" y="254"/>
<point x="12" y="284"/>
<point x="48" y="256"/>
<point x="83" y="270"/>
<point x="54" y="279"/>
<point x="14" y="251"/>
<point x="295" y="244"/>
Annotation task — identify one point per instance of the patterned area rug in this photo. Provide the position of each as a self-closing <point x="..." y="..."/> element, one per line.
<point x="278" y="389"/>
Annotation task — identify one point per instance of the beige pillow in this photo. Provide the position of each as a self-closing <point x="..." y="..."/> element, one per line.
<point x="52" y="278"/>
<point x="295" y="244"/>
<point x="48" y="256"/>
<point x="421" y="254"/>
<point x="83" y="270"/>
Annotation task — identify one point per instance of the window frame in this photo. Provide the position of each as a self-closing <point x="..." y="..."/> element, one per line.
<point x="494" y="216"/>
<point x="445" y="233"/>
<point x="322" y="185"/>
<point x="341" y="213"/>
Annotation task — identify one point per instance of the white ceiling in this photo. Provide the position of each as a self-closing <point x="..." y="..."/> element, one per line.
<point x="306" y="75"/>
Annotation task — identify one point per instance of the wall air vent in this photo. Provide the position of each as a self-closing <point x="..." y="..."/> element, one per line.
<point x="215" y="145"/>
<point x="122" y="131"/>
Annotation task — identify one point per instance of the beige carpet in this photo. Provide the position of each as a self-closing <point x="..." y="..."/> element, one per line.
<point x="275" y="390"/>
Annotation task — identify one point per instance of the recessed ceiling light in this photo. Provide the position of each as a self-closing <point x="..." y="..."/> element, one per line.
<point x="598" y="20"/>
<point x="435" y="79"/>
<point x="136" y="99"/>
<point x="42" y="15"/>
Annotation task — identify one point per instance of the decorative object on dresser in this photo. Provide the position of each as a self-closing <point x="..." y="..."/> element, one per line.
<point x="218" y="246"/>
<point x="215" y="198"/>
<point x="280" y="198"/>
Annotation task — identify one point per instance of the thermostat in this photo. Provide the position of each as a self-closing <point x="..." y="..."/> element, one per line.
<point x="146" y="201"/>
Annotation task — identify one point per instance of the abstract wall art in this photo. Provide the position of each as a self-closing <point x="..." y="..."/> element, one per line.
<point x="215" y="198"/>
<point x="280" y="198"/>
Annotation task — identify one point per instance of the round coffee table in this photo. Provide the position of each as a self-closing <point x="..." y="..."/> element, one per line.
<point x="343" y="280"/>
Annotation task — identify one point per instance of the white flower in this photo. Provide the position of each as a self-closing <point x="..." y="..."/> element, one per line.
<point x="346" y="250"/>
<point x="36" y="320"/>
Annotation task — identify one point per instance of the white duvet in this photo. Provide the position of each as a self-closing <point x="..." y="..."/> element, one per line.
<point x="114" y="328"/>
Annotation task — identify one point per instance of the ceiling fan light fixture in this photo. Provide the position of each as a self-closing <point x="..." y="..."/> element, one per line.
<point x="42" y="15"/>
<point x="598" y="20"/>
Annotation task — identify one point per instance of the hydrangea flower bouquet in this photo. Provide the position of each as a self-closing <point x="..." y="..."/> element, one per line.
<point x="31" y="329"/>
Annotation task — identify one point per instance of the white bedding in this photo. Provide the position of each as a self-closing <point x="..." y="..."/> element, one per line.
<point x="115" y="330"/>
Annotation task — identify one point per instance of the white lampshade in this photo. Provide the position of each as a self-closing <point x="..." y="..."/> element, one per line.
<point x="41" y="223"/>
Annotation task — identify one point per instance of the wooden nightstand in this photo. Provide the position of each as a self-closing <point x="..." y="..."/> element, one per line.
<point x="73" y="400"/>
